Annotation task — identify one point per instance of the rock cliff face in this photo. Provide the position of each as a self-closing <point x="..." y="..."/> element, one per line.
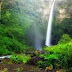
<point x="62" y="7"/>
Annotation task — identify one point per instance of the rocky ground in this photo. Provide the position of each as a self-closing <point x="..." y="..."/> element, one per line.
<point x="6" y="65"/>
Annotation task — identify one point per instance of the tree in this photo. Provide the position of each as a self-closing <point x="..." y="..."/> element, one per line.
<point x="64" y="39"/>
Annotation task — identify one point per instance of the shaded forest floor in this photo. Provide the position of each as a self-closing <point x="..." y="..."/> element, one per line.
<point x="6" y="65"/>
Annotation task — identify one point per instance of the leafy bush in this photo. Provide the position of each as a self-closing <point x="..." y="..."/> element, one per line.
<point x="12" y="45"/>
<point x="64" y="39"/>
<point x="43" y="64"/>
<point x="66" y="25"/>
<point x="20" y="58"/>
<point x="4" y="51"/>
<point x="58" y="56"/>
<point x="16" y="46"/>
<point x="9" y="41"/>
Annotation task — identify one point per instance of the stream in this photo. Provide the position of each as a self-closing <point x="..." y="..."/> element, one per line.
<point x="7" y="56"/>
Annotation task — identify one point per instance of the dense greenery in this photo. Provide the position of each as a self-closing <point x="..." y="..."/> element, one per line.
<point x="22" y="21"/>
<point x="18" y="19"/>
<point x="58" y="56"/>
<point x="23" y="27"/>
<point x="20" y="58"/>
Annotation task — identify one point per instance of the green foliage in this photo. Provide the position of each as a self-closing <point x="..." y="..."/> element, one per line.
<point x="16" y="46"/>
<point x="65" y="39"/>
<point x="66" y="26"/>
<point x="4" y="51"/>
<point x="20" y="58"/>
<point x="62" y="25"/>
<point x="42" y="64"/>
<point x="60" y="54"/>
<point x="21" y="21"/>
<point x="50" y="57"/>
<point x="57" y="32"/>
<point x="18" y="19"/>
<point x="9" y="39"/>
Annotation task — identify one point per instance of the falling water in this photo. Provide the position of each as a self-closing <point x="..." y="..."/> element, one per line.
<point x="38" y="38"/>
<point x="49" y="28"/>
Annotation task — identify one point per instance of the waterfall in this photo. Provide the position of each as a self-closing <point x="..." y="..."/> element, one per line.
<point x="49" y="28"/>
<point x="38" y="38"/>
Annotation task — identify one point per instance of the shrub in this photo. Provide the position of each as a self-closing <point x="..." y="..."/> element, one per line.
<point x="64" y="39"/>
<point x="20" y="58"/>
<point x="4" y="51"/>
<point x="9" y="39"/>
<point x="59" y="55"/>
<point x="42" y="64"/>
